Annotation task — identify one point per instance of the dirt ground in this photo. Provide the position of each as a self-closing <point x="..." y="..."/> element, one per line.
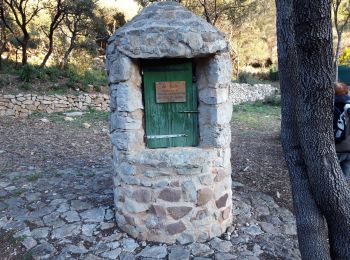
<point x="257" y="162"/>
<point x="257" y="159"/>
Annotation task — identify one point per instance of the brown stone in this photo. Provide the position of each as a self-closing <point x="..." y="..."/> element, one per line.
<point x="219" y="174"/>
<point x="142" y="196"/>
<point x="221" y="202"/>
<point x="170" y="195"/>
<point x="204" y="195"/>
<point x="175" y="228"/>
<point x="159" y="211"/>
<point x="129" y="219"/>
<point x="226" y="213"/>
<point x="178" y="212"/>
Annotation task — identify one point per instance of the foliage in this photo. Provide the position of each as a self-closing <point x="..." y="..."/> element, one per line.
<point x="341" y="19"/>
<point x="344" y="58"/>
<point x="27" y="73"/>
<point x="258" y="76"/>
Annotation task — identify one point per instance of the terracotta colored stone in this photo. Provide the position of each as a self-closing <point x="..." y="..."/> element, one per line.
<point x="142" y="196"/>
<point x="178" y="212"/>
<point x="170" y="195"/>
<point x="221" y="202"/>
<point x="204" y="195"/>
<point x="175" y="228"/>
<point x="159" y="211"/>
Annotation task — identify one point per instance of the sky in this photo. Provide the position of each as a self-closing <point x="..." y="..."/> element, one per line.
<point x="128" y="7"/>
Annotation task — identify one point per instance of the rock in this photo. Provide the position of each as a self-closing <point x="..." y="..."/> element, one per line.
<point x="67" y="118"/>
<point x="92" y="257"/>
<point x="109" y="214"/>
<point x="126" y="256"/>
<point x="158" y="210"/>
<point x="170" y="195"/>
<point x="179" y="252"/>
<point x="88" y="229"/>
<point x="252" y="230"/>
<point x="72" y="114"/>
<point x="152" y="222"/>
<point x="184" y="239"/>
<point x="66" y="231"/>
<point x="29" y="243"/>
<point x="175" y="228"/>
<point x="135" y="207"/>
<point x="105" y="226"/>
<point x="178" y="212"/>
<point x="199" y="38"/>
<point x="221" y="245"/>
<point x="204" y="196"/>
<point x="86" y="125"/>
<point x="221" y="202"/>
<point x="225" y="256"/>
<point x="43" y="251"/>
<point x="71" y="216"/>
<point x="44" y="120"/>
<point x="40" y="232"/>
<point x="142" y="196"/>
<point x="80" y="205"/>
<point x="75" y="249"/>
<point x="93" y="215"/>
<point x="113" y="254"/>
<point x="269" y="228"/>
<point x="155" y="252"/>
<point x="129" y="244"/>
<point x="198" y="249"/>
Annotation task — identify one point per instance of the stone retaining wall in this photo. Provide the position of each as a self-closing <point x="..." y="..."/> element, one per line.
<point x="241" y="93"/>
<point x="22" y="105"/>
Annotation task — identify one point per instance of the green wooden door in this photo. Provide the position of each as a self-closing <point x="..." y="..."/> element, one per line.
<point x="171" y="119"/>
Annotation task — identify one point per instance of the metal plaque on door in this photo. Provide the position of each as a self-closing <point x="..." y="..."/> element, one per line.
<point x="173" y="91"/>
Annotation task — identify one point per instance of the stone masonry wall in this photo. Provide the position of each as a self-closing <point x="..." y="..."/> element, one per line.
<point x="22" y="105"/>
<point x="171" y="194"/>
<point x="240" y="93"/>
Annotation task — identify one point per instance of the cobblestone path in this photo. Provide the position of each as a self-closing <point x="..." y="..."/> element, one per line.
<point x="68" y="214"/>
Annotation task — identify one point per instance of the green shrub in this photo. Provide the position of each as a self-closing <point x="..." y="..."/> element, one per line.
<point x="27" y="73"/>
<point x="274" y="100"/>
<point x="53" y="73"/>
<point x="273" y="73"/>
<point x="25" y="86"/>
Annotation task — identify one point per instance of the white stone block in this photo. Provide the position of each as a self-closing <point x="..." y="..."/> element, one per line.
<point x="214" y="115"/>
<point x="126" y="98"/>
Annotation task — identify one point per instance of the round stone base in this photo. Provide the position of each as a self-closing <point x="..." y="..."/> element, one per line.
<point x="174" y="194"/>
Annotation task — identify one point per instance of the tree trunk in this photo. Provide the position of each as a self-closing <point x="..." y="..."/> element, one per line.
<point x="24" y="46"/>
<point x="336" y="57"/>
<point x="64" y="62"/>
<point x="306" y="74"/>
<point x="311" y="227"/>
<point x="315" y="120"/>
<point x="49" y="51"/>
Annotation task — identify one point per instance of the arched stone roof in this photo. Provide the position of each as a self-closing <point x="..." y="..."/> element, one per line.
<point x="167" y="29"/>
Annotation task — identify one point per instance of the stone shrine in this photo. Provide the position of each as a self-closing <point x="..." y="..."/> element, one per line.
<point x="169" y="77"/>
